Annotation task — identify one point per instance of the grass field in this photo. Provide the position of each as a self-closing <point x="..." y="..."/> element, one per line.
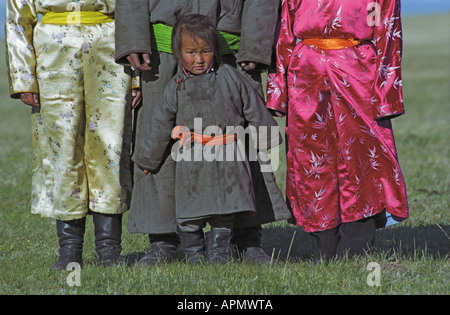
<point x="413" y="256"/>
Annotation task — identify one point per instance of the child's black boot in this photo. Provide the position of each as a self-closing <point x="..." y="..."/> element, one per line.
<point x="218" y="245"/>
<point x="193" y="245"/>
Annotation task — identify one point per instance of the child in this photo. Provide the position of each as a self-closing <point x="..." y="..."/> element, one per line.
<point x="207" y="190"/>
<point x="247" y="31"/>
<point x="338" y="81"/>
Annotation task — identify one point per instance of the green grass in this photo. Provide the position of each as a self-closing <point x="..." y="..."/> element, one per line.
<point x="413" y="256"/>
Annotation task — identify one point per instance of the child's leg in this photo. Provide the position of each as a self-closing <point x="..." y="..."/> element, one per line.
<point x="192" y="240"/>
<point x="218" y="239"/>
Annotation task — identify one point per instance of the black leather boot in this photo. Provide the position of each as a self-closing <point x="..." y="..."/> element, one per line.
<point x="193" y="245"/>
<point x="356" y="237"/>
<point x="71" y="235"/>
<point x="248" y="243"/>
<point x="108" y="238"/>
<point x="218" y="245"/>
<point x="325" y="243"/>
<point x="163" y="248"/>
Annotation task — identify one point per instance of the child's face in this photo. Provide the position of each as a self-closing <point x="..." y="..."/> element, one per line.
<point x="197" y="55"/>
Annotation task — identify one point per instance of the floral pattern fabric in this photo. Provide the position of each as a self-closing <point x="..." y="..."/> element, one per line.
<point x="81" y="132"/>
<point x="342" y="163"/>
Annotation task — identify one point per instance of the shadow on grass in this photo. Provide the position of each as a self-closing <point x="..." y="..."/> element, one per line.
<point x="293" y="244"/>
<point x="132" y="258"/>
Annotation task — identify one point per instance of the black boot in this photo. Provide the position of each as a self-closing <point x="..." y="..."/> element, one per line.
<point x="70" y="234"/>
<point x="325" y="243"/>
<point x="356" y="237"/>
<point x="248" y="243"/>
<point x="163" y="248"/>
<point x="193" y="245"/>
<point x="108" y="236"/>
<point x="218" y="245"/>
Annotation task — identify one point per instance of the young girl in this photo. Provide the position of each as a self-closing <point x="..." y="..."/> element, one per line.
<point x="208" y="190"/>
<point x="338" y="81"/>
<point x="246" y="37"/>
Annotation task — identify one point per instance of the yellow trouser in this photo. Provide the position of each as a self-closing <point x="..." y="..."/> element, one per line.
<point x="81" y="134"/>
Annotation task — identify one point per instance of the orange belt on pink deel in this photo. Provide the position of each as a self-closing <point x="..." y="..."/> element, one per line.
<point x="331" y="43"/>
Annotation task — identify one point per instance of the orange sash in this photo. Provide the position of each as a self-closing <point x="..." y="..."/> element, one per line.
<point x="331" y="43"/>
<point x="179" y="134"/>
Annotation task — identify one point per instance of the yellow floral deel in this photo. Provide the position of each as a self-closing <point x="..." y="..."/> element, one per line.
<point x="81" y="133"/>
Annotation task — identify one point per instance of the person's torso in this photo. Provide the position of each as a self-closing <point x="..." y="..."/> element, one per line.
<point x="227" y="13"/>
<point x="58" y="6"/>
<point x="336" y="19"/>
<point x="213" y="97"/>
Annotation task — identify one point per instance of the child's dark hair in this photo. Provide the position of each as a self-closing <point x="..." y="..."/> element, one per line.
<point x="194" y="24"/>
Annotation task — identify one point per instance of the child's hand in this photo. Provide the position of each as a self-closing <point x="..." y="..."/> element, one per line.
<point x="136" y="96"/>
<point x="144" y="170"/>
<point x="31" y="99"/>
<point x="135" y="61"/>
<point x="248" y="66"/>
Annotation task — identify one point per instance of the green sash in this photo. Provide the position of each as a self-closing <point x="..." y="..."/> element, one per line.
<point x="228" y="43"/>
